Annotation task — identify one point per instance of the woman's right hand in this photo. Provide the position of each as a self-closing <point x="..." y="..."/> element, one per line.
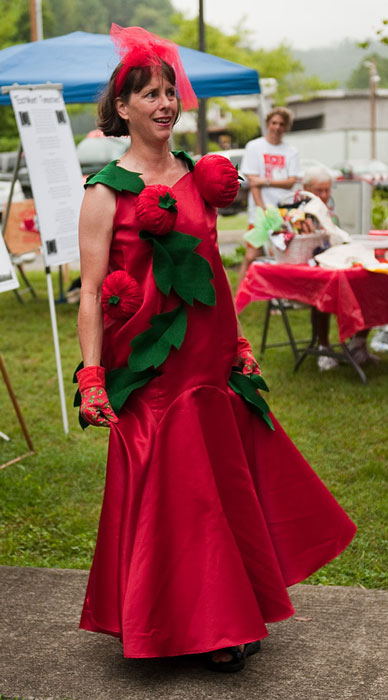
<point x="95" y="406"/>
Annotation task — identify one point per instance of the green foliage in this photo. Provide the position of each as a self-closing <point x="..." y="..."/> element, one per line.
<point x="307" y="86"/>
<point x="7" y="122"/>
<point x="244" y="127"/>
<point x="65" y="16"/>
<point x="15" y="25"/>
<point x="78" y="15"/>
<point x="154" y="15"/>
<point x="97" y="16"/>
<point x="9" y="134"/>
<point x="336" y="61"/>
<point x="233" y="259"/>
<point x="8" y="143"/>
<point x="380" y="208"/>
<point x="185" y="142"/>
<point x="381" y="35"/>
<point x="360" y="76"/>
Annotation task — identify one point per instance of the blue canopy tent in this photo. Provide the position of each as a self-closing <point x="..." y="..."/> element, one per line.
<point x="83" y="62"/>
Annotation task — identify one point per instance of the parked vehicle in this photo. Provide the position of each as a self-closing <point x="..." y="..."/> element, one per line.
<point x="307" y="163"/>
<point x="97" y="150"/>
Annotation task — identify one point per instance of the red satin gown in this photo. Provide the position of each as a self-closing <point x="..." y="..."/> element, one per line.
<point x="208" y="515"/>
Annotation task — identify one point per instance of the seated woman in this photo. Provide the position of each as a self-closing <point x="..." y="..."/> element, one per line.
<point x="318" y="181"/>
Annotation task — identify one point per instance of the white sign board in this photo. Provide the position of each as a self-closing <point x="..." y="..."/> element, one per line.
<point x="54" y="169"/>
<point x="8" y="279"/>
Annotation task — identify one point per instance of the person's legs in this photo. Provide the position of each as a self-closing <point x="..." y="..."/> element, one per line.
<point x="359" y="349"/>
<point x="321" y="321"/>
<point x="251" y="254"/>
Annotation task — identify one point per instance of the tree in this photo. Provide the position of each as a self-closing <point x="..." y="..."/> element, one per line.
<point x="15" y="26"/>
<point x="360" y="76"/>
<point x="98" y="15"/>
<point x="274" y="63"/>
<point x="243" y="125"/>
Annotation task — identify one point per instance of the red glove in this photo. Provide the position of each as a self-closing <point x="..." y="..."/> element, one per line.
<point x="95" y="407"/>
<point x="245" y="358"/>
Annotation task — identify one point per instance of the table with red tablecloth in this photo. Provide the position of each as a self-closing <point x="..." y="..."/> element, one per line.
<point x="357" y="297"/>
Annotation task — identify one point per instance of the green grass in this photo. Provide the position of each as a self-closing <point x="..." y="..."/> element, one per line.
<point x="236" y="222"/>
<point x="50" y="502"/>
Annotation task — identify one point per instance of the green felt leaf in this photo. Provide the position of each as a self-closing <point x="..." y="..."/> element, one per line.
<point x="114" y="300"/>
<point x="162" y="267"/>
<point x="151" y="348"/>
<point x="117" y="178"/>
<point x="185" y="156"/>
<point x="246" y="385"/>
<point x="121" y="179"/>
<point x="176" y="265"/>
<point x="192" y="280"/>
<point x="121" y="382"/>
<point x="167" y="202"/>
<point x="258" y="380"/>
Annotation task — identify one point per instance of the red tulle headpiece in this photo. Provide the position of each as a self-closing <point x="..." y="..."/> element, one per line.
<point x="138" y="48"/>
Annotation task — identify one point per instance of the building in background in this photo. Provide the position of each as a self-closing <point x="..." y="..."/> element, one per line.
<point x="335" y="125"/>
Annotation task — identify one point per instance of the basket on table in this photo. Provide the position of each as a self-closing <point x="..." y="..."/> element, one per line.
<point x="300" y="249"/>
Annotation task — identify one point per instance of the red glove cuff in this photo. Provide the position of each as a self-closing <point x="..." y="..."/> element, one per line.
<point x="90" y="376"/>
<point x="242" y="345"/>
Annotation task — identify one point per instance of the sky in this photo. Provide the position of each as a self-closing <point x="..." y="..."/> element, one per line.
<point x="301" y="23"/>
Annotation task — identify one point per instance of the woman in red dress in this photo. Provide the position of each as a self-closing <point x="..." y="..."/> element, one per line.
<point x="209" y="513"/>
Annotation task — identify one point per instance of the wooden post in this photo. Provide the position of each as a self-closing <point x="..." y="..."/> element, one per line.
<point x="202" y="126"/>
<point x="372" y="86"/>
<point x="34" y="32"/>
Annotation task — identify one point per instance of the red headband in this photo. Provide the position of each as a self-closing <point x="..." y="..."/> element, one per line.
<point x="138" y="48"/>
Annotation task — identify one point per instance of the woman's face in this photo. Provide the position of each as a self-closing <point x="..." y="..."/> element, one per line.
<point x="151" y="113"/>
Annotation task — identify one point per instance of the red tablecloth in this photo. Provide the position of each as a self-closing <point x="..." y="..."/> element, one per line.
<point x="358" y="298"/>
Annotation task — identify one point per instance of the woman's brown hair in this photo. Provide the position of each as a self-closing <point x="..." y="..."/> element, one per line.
<point x="108" y="120"/>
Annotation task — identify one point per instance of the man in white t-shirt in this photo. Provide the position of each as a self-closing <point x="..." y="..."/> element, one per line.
<point x="271" y="167"/>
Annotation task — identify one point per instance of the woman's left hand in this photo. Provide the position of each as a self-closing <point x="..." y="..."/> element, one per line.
<point x="245" y="358"/>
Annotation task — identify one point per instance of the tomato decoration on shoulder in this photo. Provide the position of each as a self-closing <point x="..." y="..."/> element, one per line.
<point x="217" y="179"/>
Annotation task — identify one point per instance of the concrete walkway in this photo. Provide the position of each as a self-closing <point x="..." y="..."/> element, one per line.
<point x="335" y="648"/>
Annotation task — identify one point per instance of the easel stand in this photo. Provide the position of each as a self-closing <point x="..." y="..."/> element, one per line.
<point x="25" y="99"/>
<point x="19" y="416"/>
<point x="17" y="261"/>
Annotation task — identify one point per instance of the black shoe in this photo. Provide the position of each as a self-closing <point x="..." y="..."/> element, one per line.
<point x="236" y="663"/>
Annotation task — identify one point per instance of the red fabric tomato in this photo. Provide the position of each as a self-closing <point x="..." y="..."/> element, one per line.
<point x="156" y="209"/>
<point x="217" y="180"/>
<point x="121" y="295"/>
